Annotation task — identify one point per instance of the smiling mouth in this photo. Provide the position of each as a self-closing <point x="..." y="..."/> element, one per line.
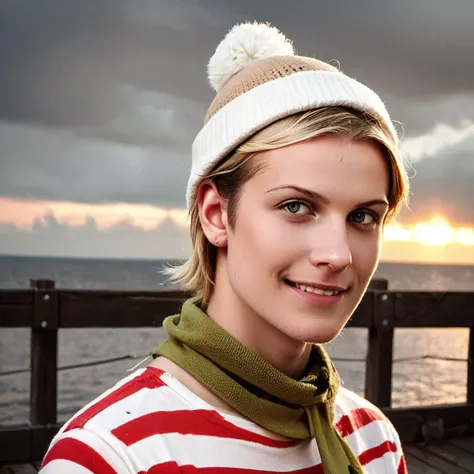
<point x="315" y="289"/>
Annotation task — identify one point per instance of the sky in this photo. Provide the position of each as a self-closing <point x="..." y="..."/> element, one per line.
<point x="100" y="101"/>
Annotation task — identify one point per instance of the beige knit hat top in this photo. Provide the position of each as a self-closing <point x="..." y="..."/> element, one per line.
<point x="258" y="79"/>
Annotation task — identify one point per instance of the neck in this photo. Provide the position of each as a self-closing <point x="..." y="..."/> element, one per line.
<point x="254" y="332"/>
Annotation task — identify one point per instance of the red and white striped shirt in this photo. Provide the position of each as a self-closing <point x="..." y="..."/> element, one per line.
<point x="150" y="423"/>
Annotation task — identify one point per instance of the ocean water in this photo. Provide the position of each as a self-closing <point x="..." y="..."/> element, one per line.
<point x="419" y="382"/>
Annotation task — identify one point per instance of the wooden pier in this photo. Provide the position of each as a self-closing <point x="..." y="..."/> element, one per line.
<point x="436" y="439"/>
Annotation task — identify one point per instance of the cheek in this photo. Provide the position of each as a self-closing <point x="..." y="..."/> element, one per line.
<point x="366" y="254"/>
<point x="263" y="242"/>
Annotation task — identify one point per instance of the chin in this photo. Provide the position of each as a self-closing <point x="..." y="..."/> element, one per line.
<point x="323" y="338"/>
<point x="319" y="335"/>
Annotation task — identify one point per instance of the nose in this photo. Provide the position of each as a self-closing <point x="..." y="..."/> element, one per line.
<point x="330" y="244"/>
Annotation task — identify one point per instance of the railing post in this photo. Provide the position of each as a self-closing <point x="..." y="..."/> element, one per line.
<point x="44" y="353"/>
<point x="378" y="284"/>
<point x="378" y="372"/>
<point x="470" y="368"/>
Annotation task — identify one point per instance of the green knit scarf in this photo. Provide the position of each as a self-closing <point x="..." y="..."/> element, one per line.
<point x="299" y="409"/>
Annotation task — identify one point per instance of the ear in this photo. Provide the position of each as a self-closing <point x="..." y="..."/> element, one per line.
<point x="213" y="214"/>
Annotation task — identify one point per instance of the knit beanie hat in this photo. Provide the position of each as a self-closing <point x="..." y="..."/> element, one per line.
<point x="258" y="79"/>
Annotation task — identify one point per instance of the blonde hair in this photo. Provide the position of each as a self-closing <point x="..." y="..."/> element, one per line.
<point x="197" y="275"/>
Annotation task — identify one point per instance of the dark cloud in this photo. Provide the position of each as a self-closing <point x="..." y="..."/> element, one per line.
<point x="60" y="166"/>
<point x="410" y="48"/>
<point x="61" y="61"/>
<point x="444" y="184"/>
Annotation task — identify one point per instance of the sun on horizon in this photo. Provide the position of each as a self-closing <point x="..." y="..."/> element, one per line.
<point x="436" y="232"/>
<point x="434" y="241"/>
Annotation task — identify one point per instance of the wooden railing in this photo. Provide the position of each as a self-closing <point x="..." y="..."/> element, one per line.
<point x="45" y="310"/>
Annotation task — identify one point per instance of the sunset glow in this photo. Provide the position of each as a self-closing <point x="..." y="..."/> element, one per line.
<point x="144" y="216"/>
<point x="434" y="240"/>
<point x="436" y="231"/>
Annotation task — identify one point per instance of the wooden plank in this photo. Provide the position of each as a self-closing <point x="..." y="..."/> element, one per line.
<point x="379" y="360"/>
<point x="378" y="372"/>
<point x="435" y="461"/>
<point x="18" y="469"/>
<point x="179" y="294"/>
<point x="457" y="456"/>
<point x="434" y="309"/>
<point x="44" y="357"/>
<point x="378" y="284"/>
<point x="98" y="308"/>
<point x="21" y="444"/>
<point x="412" y="308"/>
<point x="458" y="420"/>
<point x="16" y="308"/>
<point x="16" y="316"/>
<point x="45" y="307"/>
<point x="466" y="444"/>
<point x="362" y="316"/>
<point x="470" y="367"/>
<point x="113" y="309"/>
<point x="41" y="438"/>
<point x="415" y="466"/>
<point x="15" y="445"/>
<point x="43" y="380"/>
<point x="16" y="297"/>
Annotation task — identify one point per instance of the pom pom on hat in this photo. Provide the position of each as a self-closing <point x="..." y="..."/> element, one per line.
<point x="299" y="83"/>
<point x="244" y="44"/>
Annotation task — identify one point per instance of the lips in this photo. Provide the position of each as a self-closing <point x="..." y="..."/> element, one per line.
<point x="323" y="290"/>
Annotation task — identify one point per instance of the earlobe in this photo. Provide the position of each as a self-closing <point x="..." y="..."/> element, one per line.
<point x="213" y="214"/>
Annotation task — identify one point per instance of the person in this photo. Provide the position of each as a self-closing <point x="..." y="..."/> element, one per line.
<point x="295" y="172"/>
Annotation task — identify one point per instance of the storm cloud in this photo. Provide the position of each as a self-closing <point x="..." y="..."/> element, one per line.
<point x="100" y="100"/>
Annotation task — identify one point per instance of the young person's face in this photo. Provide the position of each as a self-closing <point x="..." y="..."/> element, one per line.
<point x="308" y="235"/>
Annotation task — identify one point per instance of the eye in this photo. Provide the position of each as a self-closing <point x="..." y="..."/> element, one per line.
<point x="295" y="207"/>
<point x="364" y="218"/>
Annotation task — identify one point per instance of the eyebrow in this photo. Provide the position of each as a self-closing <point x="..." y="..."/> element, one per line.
<point x="319" y="197"/>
